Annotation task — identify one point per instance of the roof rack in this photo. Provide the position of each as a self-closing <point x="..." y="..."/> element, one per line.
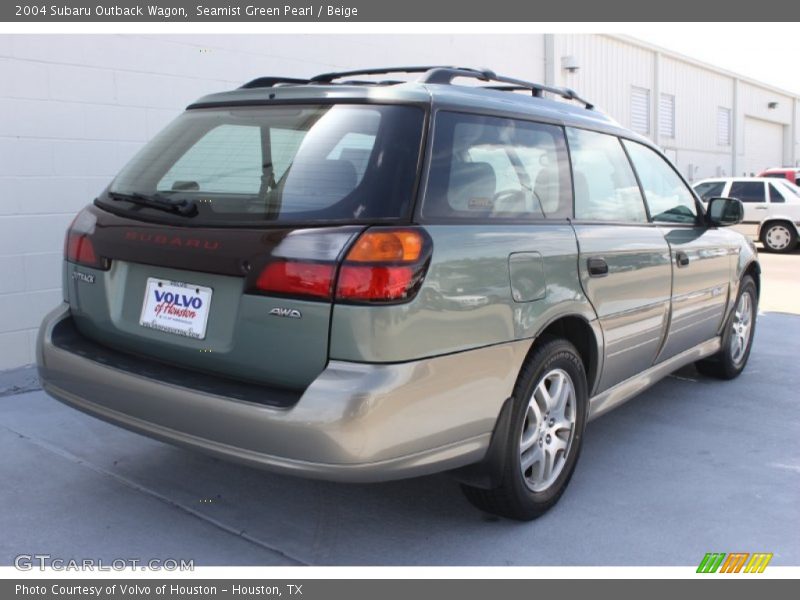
<point x="445" y="75"/>
<point x="272" y="82"/>
<point x="329" y="77"/>
<point x="442" y="75"/>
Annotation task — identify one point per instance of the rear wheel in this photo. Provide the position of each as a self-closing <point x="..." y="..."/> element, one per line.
<point x="737" y="339"/>
<point x="779" y="237"/>
<point x="545" y="437"/>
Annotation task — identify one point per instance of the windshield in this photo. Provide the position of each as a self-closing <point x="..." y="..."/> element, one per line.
<point x="279" y="163"/>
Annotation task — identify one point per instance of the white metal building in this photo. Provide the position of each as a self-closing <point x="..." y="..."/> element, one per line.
<point x="74" y="108"/>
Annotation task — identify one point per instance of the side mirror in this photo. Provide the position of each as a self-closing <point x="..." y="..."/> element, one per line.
<point x="723" y="212"/>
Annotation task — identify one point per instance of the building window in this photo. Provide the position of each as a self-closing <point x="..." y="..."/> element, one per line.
<point x="724" y="126"/>
<point x="666" y="116"/>
<point x="640" y="110"/>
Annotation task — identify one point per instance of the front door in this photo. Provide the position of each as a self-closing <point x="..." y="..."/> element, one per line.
<point x="701" y="258"/>
<point x="624" y="262"/>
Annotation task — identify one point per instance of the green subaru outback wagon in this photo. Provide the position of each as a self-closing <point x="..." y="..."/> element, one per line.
<point x="358" y="278"/>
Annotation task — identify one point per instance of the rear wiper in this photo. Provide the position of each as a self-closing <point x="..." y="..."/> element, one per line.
<point x="184" y="207"/>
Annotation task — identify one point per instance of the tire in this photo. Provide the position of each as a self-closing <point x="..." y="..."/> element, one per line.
<point x="554" y="366"/>
<point x="779" y="236"/>
<point x="732" y="358"/>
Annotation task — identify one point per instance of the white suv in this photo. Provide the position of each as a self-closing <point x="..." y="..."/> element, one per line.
<point x="771" y="207"/>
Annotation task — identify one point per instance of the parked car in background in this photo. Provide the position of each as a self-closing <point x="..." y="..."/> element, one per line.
<point x="364" y="281"/>
<point x="791" y="174"/>
<point x="771" y="208"/>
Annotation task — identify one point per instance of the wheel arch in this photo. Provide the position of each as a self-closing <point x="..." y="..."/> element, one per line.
<point x="585" y="336"/>
<point x="773" y="219"/>
<point x="754" y="270"/>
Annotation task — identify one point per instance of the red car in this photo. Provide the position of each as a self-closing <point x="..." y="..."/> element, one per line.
<point x="790" y="173"/>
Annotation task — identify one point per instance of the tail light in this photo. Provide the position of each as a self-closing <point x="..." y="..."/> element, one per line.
<point x="297" y="278"/>
<point x="78" y="246"/>
<point x="382" y="266"/>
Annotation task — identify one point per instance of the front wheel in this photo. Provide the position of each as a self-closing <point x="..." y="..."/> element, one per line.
<point x="543" y="443"/>
<point x="737" y="339"/>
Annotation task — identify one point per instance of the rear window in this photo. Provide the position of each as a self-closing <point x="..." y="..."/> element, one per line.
<point x="709" y="189"/>
<point x="281" y="163"/>
<point x="494" y="168"/>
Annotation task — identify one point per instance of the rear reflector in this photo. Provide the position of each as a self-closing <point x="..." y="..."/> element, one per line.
<point x="297" y="278"/>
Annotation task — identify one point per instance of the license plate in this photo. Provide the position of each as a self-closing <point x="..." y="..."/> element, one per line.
<point x="176" y="307"/>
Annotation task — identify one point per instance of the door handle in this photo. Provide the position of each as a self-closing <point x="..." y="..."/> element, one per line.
<point x="597" y="267"/>
<point x="761" y="208"/>
<point x="681" y="258"/>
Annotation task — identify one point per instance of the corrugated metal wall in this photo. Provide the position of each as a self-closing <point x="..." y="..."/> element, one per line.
<point x="611" y="67"/>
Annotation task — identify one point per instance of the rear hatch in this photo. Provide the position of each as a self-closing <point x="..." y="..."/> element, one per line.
<point x="218" y="247"/>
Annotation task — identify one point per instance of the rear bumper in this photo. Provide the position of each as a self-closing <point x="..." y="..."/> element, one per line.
<point x="355" y="422"/>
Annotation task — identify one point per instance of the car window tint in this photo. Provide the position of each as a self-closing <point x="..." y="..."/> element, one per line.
<point x="668" y="197"/>
<point x="355" y="148"/>
<point x="490" y="167"/>
<point x="283" y="145"/>
<point x="227" y="158"/>
<point x="775" y="195"/>
<point x="710" y="189"/>
<point x="605" y="186"/>
<point x="748" y="191"/>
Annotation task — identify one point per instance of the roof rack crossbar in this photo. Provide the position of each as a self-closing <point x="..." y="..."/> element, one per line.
<point x="329" y="77"/>
<point x="445" y="75"/>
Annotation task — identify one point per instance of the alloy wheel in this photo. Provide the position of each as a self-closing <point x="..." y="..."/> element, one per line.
<point x="548" y="430"/>
<point x="742" y="328"/>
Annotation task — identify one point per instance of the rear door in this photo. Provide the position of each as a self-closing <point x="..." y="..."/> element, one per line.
<point x="700" y="255"/>
<point x="753" y="195"/>
<point x="624" y="262"/>
<point x="242" y="286"/>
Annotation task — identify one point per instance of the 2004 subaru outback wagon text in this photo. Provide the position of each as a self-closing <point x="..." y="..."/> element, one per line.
<point x="364" y="280"/>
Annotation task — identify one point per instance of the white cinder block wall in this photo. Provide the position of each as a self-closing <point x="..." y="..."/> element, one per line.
<point x="74" y="109"/>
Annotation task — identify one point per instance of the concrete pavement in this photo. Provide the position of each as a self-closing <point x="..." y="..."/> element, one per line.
<point x="691" y="466"/>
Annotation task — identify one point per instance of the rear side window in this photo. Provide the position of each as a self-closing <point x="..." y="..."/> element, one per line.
<point x="605" y="186"/>
<point x="668" y="197"/>
<point x="488" y="167"/>
<point x="748" y="191"/>
<point x="282" y="163"/>
<point x="710" y="189"/>
<point x="775" y="195"/>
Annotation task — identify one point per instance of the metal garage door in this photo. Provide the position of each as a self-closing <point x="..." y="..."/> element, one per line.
<point x="763" y="145"/>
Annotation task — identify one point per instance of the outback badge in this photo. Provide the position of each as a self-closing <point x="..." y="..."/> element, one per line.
<point x="84" y="277"/>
